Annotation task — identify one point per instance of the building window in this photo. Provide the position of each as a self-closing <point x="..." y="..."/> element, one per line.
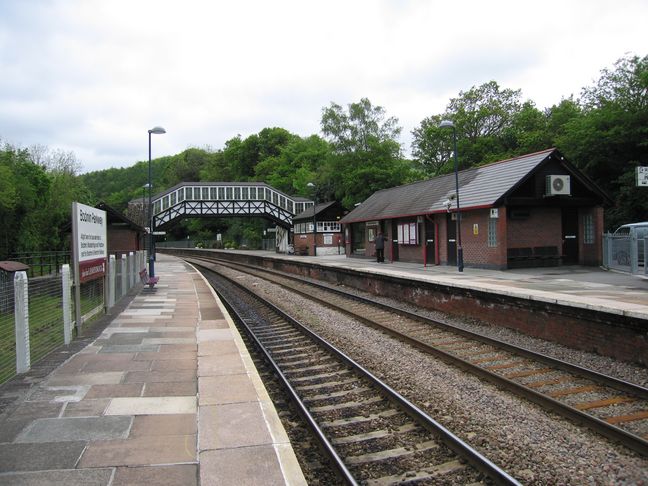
<point x="588" y="229"/>
<point x="492" y="232"/>
<point x="407" y="234"/>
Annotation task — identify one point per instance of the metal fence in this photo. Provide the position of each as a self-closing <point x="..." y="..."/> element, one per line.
<point x="37" y="314"/>
<point x="41" y="264"/>
<point x="625" y="253"/>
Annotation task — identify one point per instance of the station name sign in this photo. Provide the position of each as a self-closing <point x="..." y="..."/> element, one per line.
<point x="90" y="242"/>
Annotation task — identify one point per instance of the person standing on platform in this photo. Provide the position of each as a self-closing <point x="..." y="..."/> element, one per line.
<point x="380" y="247"/>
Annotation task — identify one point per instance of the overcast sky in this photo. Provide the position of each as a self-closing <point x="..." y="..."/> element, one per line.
<point x="91" y="76"/>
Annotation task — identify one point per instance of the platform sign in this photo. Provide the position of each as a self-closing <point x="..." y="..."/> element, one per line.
<point x="90" y="242"/>
<point x="642" y="176"/>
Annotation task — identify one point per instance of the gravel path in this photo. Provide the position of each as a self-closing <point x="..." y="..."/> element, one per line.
<point x="535" y="446"/>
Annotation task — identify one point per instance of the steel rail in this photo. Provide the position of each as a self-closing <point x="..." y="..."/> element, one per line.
<point x="632" y="441"/>
<point x="476" y="459"/>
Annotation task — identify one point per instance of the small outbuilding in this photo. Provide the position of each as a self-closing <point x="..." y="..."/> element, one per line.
<point x="124" y="235"/>
<point x="327" y="239"/>
<point x="532" y="210"/>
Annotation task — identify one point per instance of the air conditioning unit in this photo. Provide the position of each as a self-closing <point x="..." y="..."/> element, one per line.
<point x="558" y="185"/>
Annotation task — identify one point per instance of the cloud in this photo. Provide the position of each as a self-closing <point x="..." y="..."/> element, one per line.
<point x="93" y="76"/>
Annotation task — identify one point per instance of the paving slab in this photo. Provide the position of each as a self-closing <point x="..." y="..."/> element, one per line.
<point x="59" y="393"/>
<point x="130" y="348"/>
<point x="217" y="390"/>
<point x="171" y="389"/>
<point x="218" y="348"/>
<point x="233" y="425"/>
<point x="174" y="364"/>
<point x="41" y="456"/>
<point x="140" y="451"/>
<point x="205" y="335"/>
<point x="160" y="425"/>
<point x="110" y="391"/>
<point x="100" y="378"/>
<point x="159" y="376"/>
<point x="74" y="429"/>
<point x="151" y="405"/>
<point x="86" y="408"/>
<point x="36" y="410"/>
<point x="225" y="365"/>
<point x="241" y="466"/>
<point x="180" y="475"/>
<point x="67" y="477"/>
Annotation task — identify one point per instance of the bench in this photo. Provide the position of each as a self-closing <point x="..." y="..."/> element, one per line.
<point x="548" y="255"/>
<point x="539" y="256"/>
<point x="146" y="280"/>
<point x="519" y="257"/>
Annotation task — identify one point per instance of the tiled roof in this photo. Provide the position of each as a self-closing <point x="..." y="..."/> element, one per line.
<point x="478" y="187"/>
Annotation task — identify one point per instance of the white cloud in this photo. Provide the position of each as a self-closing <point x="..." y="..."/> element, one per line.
<point x="93" y="76"/>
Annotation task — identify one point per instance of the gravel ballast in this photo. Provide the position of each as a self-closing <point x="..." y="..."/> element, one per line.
<point x="535" y="446"/>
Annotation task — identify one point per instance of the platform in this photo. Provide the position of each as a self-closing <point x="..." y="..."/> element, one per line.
<point x="167" y="395"/>
<point x="577" y="286"/>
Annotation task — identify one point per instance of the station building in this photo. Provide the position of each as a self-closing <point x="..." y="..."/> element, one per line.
<point x="533" y="210"/>
<point x="327" y="239"/>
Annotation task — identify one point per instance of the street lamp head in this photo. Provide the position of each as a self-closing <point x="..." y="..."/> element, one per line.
<point x="157" y="130"/>
<point x="446" y="123"/>
<point x="310" y="184"/>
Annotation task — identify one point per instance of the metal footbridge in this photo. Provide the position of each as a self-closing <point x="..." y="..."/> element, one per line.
<point x="226" y="199"/>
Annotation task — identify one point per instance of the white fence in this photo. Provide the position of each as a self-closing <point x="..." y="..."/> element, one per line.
<point x="41" y="315"/>
<point x="625" y="253"/>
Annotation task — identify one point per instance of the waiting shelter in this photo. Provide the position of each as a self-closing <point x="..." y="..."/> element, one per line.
<point x="533" y="210"/>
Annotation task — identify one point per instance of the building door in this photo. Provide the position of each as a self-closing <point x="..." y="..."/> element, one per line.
<point x="430" y="243"/>
<point x="570" y="235"/>
<point x="394" y="241"/>
<point x="451" y="229"/>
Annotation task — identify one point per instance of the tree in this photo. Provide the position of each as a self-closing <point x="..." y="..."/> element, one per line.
<point x="360" y="128"/>
<point x="366" y="153"/>
<point x="609" y="136"/>
<point x="483" y="116"/>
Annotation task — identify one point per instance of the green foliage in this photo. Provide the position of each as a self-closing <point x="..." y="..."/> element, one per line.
<point x="36" y="200"/>
<point x="604" y="133"/>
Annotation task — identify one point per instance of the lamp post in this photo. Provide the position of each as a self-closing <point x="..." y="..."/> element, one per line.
<point x="157" y="131"/>
<point x="145" y="214"/>
<point x="314" y="189"/>
<point x="445" y="124"/>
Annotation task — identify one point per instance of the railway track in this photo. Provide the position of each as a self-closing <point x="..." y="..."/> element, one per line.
<point x="614" y="408"/>
<point x="372" y="434"/>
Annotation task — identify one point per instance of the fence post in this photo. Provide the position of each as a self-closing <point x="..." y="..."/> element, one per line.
<point x="110" y="300"/>
<point x="67" y="304"/>
<point x="634" y="254"/>
<point x="124" y="275"/>
<point x="608" y="245"/>
<point x="21" y="307"/>
<point x="131" y="270"/>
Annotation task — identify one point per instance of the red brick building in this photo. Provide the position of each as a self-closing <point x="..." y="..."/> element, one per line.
<point x="533" y="210"/>
<point x="328" y="236"/>
<point x="124" y="235"/>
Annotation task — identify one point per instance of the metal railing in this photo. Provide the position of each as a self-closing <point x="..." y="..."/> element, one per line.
<point x="625" y="253"/>
<point x="37" y="313"/>
<point x="41" y="264"/>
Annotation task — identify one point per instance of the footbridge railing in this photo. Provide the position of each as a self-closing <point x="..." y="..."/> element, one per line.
<point x="222" y="199"/>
